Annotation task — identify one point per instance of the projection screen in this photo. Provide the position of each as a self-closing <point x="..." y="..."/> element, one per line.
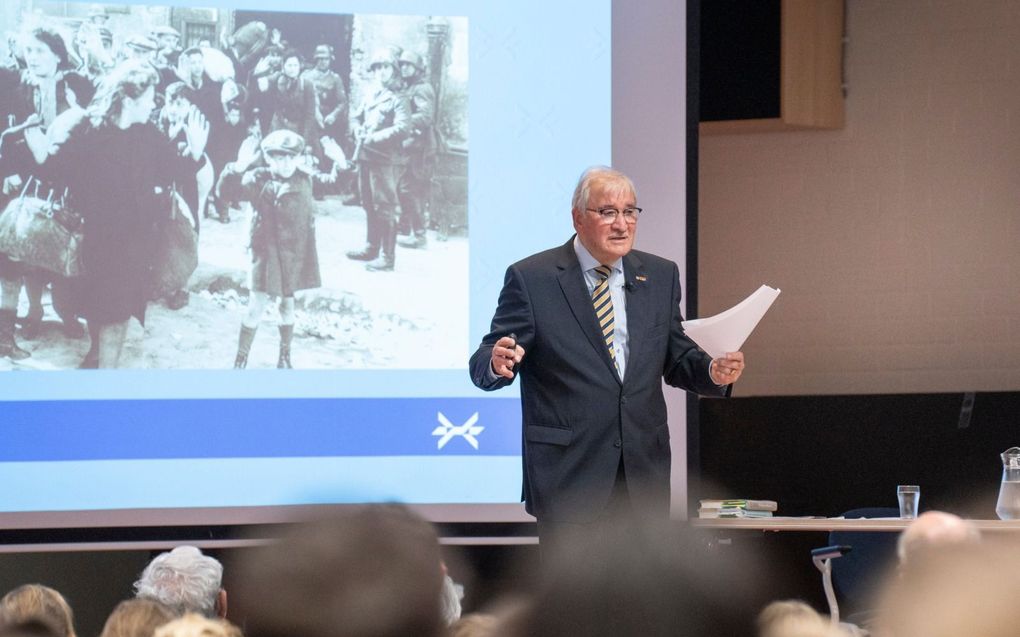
<point x="378" y="406"/>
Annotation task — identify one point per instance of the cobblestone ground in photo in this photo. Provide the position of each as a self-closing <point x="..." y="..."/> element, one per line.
<point x="415" y="317"/>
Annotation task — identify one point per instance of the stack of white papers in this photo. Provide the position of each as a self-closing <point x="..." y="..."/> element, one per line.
<point x="727" y="331"/>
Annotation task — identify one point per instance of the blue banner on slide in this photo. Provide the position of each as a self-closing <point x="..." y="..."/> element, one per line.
<point x="258" y="428"/>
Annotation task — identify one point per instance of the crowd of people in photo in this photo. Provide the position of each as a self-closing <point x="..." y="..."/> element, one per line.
<point x="379" y="571"/>
<point x="136" y="146"/>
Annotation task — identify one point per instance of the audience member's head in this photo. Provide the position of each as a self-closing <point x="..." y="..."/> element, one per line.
<point x="30" y="628"/>
<point x="372" y="570"/>
<point x="185" y="580"/>
<point x="35" y="602"/>
<point x="449" y="600"/>
<point x="195" y="625"/>
<point x="961" y="590"/>
<point x="934" y="531"/>
<point x="793" y="618"/>
<point x="644" y="579"/>
<point x="474" y="625"/>
<point x="136" y="618"/>
<point x="509" y="616"/>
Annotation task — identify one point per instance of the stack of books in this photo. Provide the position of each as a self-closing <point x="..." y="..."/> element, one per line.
<point x="736" y="508"/>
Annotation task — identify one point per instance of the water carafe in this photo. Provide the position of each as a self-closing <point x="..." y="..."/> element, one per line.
<point x="1008" y="506"/>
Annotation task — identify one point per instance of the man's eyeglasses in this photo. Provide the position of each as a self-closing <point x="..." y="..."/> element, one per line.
<point x="610" y="214"/>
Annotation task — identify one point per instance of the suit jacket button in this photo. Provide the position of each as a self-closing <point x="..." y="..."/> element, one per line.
<point x="617" y="444"/>
<point x="623" y="400"/>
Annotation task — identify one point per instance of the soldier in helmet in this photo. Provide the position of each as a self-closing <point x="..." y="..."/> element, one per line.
<point x="284" y="255"/>
<point x="380" y="126"/>
<point x="416" y="181"/>
<point x="331" y="96"/>
<point x="97" y="15"/>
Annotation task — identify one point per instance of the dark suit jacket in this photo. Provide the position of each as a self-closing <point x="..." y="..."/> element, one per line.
<point x="579" y="418"/>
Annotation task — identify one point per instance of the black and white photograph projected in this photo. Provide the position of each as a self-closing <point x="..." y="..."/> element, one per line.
<point x="188" y="188"/>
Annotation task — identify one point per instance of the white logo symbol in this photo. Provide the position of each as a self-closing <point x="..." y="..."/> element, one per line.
<point x="446" y="431"/>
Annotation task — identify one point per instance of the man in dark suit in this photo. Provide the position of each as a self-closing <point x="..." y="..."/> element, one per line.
<point x="593" y="327"/>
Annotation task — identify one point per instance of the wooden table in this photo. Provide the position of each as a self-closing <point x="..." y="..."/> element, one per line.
<point x="783" y="544"/>
<point x="824" y="525"/>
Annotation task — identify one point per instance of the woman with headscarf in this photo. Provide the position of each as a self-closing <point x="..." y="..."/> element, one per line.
<point x="118" y="168"/>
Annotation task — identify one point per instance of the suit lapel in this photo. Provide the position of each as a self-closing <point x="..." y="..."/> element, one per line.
<point x="638" y="311"/>
<point x="571" y="281"/>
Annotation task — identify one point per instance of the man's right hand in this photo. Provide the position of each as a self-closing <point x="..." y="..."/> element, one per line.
<point x="506" y="353"/>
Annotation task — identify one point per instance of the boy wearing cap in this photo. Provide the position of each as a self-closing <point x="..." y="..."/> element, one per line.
<point x="284" y="256"/>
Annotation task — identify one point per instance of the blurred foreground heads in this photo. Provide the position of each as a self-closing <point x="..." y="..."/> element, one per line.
<point x="933" y="532"/>
<point x="137" y="618"/>
<point x="34" y="607"/>
<point x="647" y="579"/>
<point x="194" y="625"/>
<point x="371" y="571"/>
<point x="951" y="582"/>
<point x="794" y="618"/>
<point x="962" y="591"/>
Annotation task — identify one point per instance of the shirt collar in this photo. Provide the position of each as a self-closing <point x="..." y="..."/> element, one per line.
<point x="588" y="262"/>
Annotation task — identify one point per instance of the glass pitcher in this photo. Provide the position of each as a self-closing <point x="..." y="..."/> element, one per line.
<point x="1008" y="506"/>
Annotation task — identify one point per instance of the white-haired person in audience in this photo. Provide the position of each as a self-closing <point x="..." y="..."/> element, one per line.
<point x="934" y="531"/>
<point x="449" y="597"/>
<point x="185" y="580"/>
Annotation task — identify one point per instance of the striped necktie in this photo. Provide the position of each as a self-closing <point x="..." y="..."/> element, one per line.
<point x="603" y="303"/>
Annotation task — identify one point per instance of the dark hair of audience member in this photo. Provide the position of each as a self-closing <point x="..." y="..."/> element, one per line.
<point x="370" y="571"/>
<point x="645" y="579"/>
<point x="136" y="618"/>
<point x="37" y="602"/>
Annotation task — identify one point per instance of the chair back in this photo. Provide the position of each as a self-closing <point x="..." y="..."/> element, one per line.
<point x="856" y="575"/>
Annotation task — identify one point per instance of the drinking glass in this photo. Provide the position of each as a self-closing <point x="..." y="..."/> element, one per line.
<point x="909" y="496"/>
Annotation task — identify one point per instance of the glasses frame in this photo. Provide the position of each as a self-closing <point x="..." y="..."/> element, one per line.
<point x="608" y="218"/>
